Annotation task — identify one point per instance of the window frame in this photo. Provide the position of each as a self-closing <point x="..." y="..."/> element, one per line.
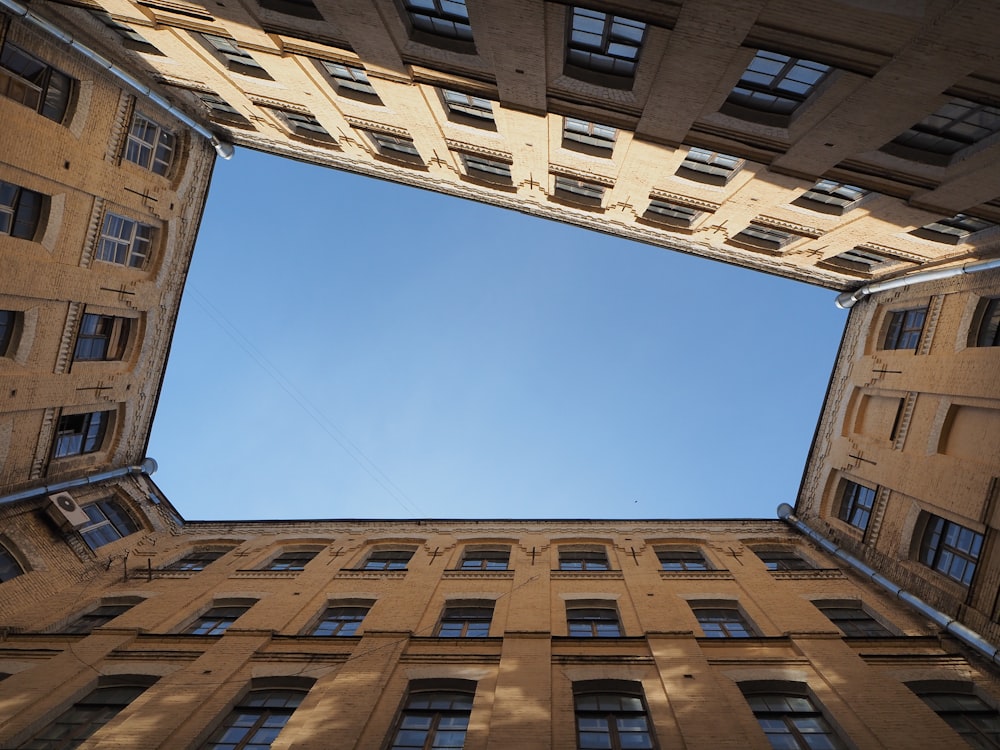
<point x="782" y="560"/>
<point x="590" y="559"/>
<point x="591" y="60"/>
<point x="799" y="702"/>
<point x="293" y="560"/>
<point x="831" y="197"/>
<point x="937" y="139"/>
<point x="124" y="241"/>
<point x="340" y="619"/>
<point x="597" y="618"/>
<point x="668" y="212"/>
<point x="96" y="709"/>
<point x="260" y="702"/>
<point x="14" y="84"/>
<point x="483" y="169"/>
<point x="954" y="230"/>
<point x="81" y="433"/>
<point x="902" y="332"/>
<point x="439" y="26"/>
<point x="939" y="553"/>
<point x="710" y="167"/>
<point x="853" y="619"/>
<point x="130" y="38"/>
<point x="962" y="719"/>
<point x="149" y="145"/>
<point x="590" y="137"/>
<point x="762" y="237"/>
<point x="23" y="212"/>
<point x="11" y="566"/>
<point x="398" y="148"/>
<point x="465" y="619"/>
<point x="352" y="81"/>
<point x="853" y="507"/>
<point x="725" y="621"/>
<point x="102" y="338"/>
<point x="196" y="561"/>
<point x="985" y="330"/>
<point x="455" y="699"/>
<point x="765" y="95"/>
<point x="109" y="522"/>
<point x="101" y="615"/>
<point x="579" y="192"/>
<point x="468" y="109"/>
<point x="392" y="560"/>
<point x="684" y="560"/>
<point x="234" y="57"/>
<point x="605" y="722"/>
<point x="485" y="556"/>
<point x="218" y="618"/>
<point x="302" y="125"/>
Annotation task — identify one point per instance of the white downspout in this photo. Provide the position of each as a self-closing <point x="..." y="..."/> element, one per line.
<point x="147" y="467"/>
<point x="968" y="636"/>
<point x="222" y="148"/>
<point x="847" y="300"/>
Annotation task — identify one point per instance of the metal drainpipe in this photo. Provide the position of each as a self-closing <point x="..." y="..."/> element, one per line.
<point x="846" y="300"/>
<point x="147" y="467"/>
<point x="950" y="624"/>
<point x="222" y="148"/>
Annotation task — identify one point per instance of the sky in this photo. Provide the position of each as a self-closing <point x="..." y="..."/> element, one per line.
<point x="353" y="348"/>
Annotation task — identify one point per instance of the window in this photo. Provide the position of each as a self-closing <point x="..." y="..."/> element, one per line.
<point x="395" y="146"/>
<point x="672" y="559"/>
<point x="953" y="127"/>
<point x="33" y="83"/>
<point x="777" y="83"/>
<point x="20" y="211"/>
<point x="974" y="720"/>
<point x="9" y="566"/>
<point x="987" y="332"/>
<point x="291" y="560"/>
<point x="954" y="230"/>
<point x="830" y="197"/>
<point x="604" y="43"/>
<point x="589" y="134"/>
<point x="905" y="327"/>
<point x="299" y="8"/>
<point x="709" y="166"/>
<point x="236" y="59"/>
<point x="303" y="124"/>
<point x="583" y="559"/>
<point x="149" y="145"/>
<point x="433" y="720"/>
<point x="853" y="620"/>
<point x="723" y="622"/>
<point x="790" y="719"/>
<point x="612" y="717"/>
<point x="256" y="721"/>
<point x="486" y="559"/>
<point x="340" y="620"/>
<point x="579" y="191"/>
<point x="77" y="434"/>
<point x="860" y="261"/>
<point x="468" y="105"/>
<point x="108" y="523"/>
<point x="96" y="617"/>
<point x="486" y="169"/>
<point x="124" y="241"/>
<point x="349" y="78"/>
<point x="765" y="238"/>
<point x="445" y="18"/>
<point x="85" y="717"/>
<point x="950" y="549"/>
<point x="217" y="620"/>
<point x="101" y="337"/>
<point x="856" y="503"/>
<point x="220" y="109"/>
<point x="671" y="213"/>
<point x="8" y="318"/>
<point x="131" y="38"/>
<point x="388" y="559"/>
<point x="782" y="560"/>
<point x="195" y="561"/>
<point x="592" y="620"/>
<point x="466" y="621"/>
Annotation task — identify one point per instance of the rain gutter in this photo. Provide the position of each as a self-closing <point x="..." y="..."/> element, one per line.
<point x="846" y="300"/>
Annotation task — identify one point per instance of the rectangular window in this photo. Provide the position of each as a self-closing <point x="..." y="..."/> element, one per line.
<point x="33" y="83"/>
<point x="777" y="83"/>
<point x="77" y="434"/>
<point x="580" y="191"/>
<point x="723" y="622"/>
<point x="131" y="38"/>
<point x="830" y="197"/>
<point x="671" y="213"/>
<point x="905" y="327"/>
<point x="612" y="719"/>
<point x="220" y="109"/>
<point x="709" y="166"/>
<point x="149" y="145"/>
<point x="388" y="559"/>
<point x="303" y="124"/>
<point x="468" y="105"/>
<point x="85" y="717"/>
<point x="108" y="522"/>
<point x="953" y="230"/>
<point x="775" y="560"/>
<point x="588" y="559"/>
<point x="101" y="337"/>
<point x="486" y="169"/>
<point x="974" y="720"/>
<point x="792" y="722"/>
<point x="951" y="549"/>
<point x="856" y="504"/>
<point x="765" y="238"/>
<point x="96" y="618"/>
<point x="349" y="77"/>
<point x="20" y="211"/>
<point x="853" y="621"/>
<point x="124" y="241"/>
<point x="487" y="559"/>
<point x="256" y="721"/>
<point x="590" y="621"/>
<point x="236" y="59"/>
<point x="340" y="621"/>
<point x="955" y="126"/>
<point x="860" y="261"/>
<point x="675" y="560"/>
<point x="604" y="43"/>
<point x="444" y="18"/>
<point x="195" y="561"/>
<point x="589" y="134"/>
<point x="394" y="146"/>
<point x="291" y="560"/>
<point x="217" y="620"/>
<point x="465" y="622"/>
<point x="433" y="720"/>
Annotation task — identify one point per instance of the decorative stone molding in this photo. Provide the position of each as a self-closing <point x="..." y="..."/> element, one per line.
<point x="684" y="200"/>
<point x="377" y="127"/>
<point x="802" y="229"/>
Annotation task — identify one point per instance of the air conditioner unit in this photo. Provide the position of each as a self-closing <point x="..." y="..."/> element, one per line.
<point x="64" y="511"/>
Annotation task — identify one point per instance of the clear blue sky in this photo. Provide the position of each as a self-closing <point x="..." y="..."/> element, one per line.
<point x="349" y="347"/>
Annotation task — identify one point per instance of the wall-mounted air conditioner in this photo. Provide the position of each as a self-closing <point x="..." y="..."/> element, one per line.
<point x="64" y="511"/>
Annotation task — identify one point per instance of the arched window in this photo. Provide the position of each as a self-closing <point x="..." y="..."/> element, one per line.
<point x="9" y="566"/>
<point x="257" y="720"/>
<point x="611" y="714"/>
<point x="109" y="522"/>
<point x="436" y="715"/>
<point x="468" y="619"/>
<point x="89" y="714"/>
<point x="592" y="619"/>
<point x="790" y="718"/>
<point x="976" y="721"/>
<point x="342" y="618"/>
